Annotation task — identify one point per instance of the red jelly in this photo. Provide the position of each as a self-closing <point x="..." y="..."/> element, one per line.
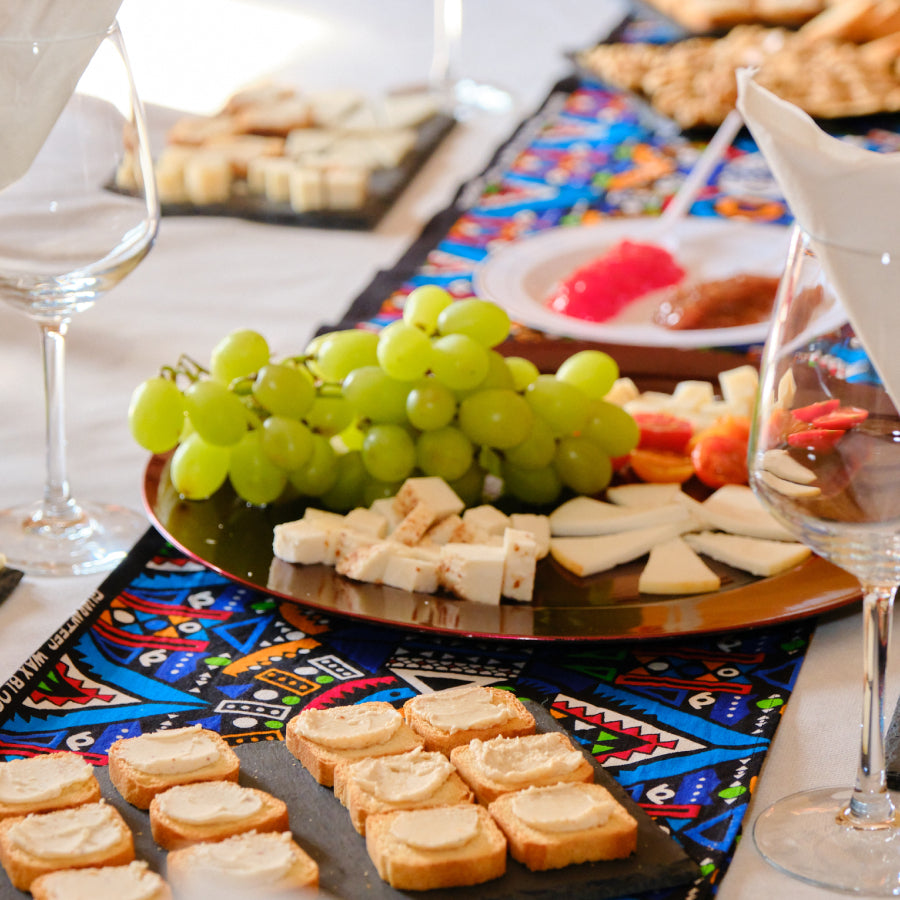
<point x="603" y="287"/>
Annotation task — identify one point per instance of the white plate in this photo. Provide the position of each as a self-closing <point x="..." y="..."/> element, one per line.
<point x="520" y="276"/>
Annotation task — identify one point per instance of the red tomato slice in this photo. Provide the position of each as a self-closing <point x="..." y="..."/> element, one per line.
<point x="720" y="459"/>
<point x="814" y="410"/>
<point x="663" y="431"/>
<point x="819" y="440"/>
<point x="660" y="466"/>
<point x="844" y="418"/>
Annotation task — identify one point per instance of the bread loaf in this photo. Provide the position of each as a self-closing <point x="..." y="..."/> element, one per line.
<point x="453" y="717"/>
<point x="557" y="826"/>
<point x="90" y="835"/>
<point x="496" y="767"/>
<point x="414" y="780"/>
<point x="441" y="847"/>
<point x="212" y="811"/>
<point x="43" y="783"/>
<point x="133" y="880"/>
<point x="322" y="738"/>
<point x="247" y="865"/>
<point x="144" y="766"/>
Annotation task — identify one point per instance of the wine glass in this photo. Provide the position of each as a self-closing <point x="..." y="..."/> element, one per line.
<point x="825" y="458"/>
<point x="73" y="127"/>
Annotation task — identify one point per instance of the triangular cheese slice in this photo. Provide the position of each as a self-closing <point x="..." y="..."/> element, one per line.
<point x="736" y="509"/>
<point x="754" y="555"/>
<point x="644" y="494"/>
<point x="588" y="555"/>
<point x="674" y="568"/>
<point x="582" y="516"/>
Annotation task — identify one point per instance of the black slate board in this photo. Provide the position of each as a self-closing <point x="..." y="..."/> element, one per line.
<point x="321" y="825"/>
<point x="9" y="578"/>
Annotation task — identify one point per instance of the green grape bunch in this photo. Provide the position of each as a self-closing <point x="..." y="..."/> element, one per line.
<point x="360" y="411"/>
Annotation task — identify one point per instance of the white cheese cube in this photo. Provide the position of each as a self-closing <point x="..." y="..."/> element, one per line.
<point x="411" y="574"/>
<point x="519" y="565"/>
<point x="323" y="516"/>
<point x="674" y="568"/>
<point x="368" y="521"/>
<point x="473" y="572"/>
<point x="739" y="385"/>
<point x="306" y="542"/>
<point x="486" y="518"/>
<point x="414" y="524"/>
<point x="692" y="395"/>
<point x="307" y="189"/>
<point x="538" y="526"/>
<point x="450" y="529"/>
<point x="384" y="506"/>
<point x="623" y="390"/>
<point x="349" y="541"/>
<point x="207" y="178"/>
<point x="431" y="490"/>
<point x="346" y="187"/>
<point x="367" y="563"/>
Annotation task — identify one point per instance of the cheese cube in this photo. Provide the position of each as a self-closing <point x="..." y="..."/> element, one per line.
<point x="346" y="187"/>
<point x="486" y="518"/>
<point x="674" y="568"/>
<point x="367" y="521"/>
<point x="367" y="563"/>
<point x="323" y="516"/>
<point x="692" y="395"/>
<point x="411" y="574"/>
<point x="415" y="524"/>
<point x="473" y="571"/>
<point x="431" y="490"/>
<point x="349" y="541"/>
<point x="739" y="386"/>
<point x="537" y="526"/>
<point x="450" y="529"/>
<point x="519" y="564"/>
<point x="306" y="542"/>
<point x="622" y="391"/>
<point x="384" y="506"/>
<point x="307" y="189"/>
<point x="208" y="178"/>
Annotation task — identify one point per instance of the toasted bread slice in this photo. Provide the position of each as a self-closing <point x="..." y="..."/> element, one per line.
<point x="441" y="847"/>
<point x="212" y="811"/>
<point x="133" y="880"/>
<point x="29" y="847"/>
<point x="44" y="783"/>
<point x="144" y="766"/>
<point x="453" y="717"/>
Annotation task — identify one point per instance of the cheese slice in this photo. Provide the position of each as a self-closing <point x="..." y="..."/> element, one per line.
<point x="789" y="488"/>
<point x="674" y="568"/>
<point x="735" y="508"/>
<point x="779" y="462"/>
<point x="582" y="516"/>
<point x="588" y="555"/>
<point x="644" y="494"/>
<point x="754" y="555"/>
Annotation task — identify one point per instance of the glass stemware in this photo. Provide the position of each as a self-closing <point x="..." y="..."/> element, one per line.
<point x="73" y="125"/>
<point x="825" y="458"/>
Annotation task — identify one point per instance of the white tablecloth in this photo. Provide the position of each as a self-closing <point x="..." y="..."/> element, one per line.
<point x="206" y="276"/>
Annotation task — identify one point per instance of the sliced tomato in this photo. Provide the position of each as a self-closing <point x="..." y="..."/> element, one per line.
<point x="814" y="410"/>
<point x="819" y="440"/>
<point x="659" y="466"/>
<point x="663" y="431"/>
<point x="844" y="417"/>
<point x="781" y="423"/>
<point x="720" y="459"/>
<point x="737" y="427"/>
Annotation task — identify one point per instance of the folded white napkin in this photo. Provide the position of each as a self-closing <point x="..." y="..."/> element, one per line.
<point x="45" y="46"/>
<point x="847" y="198"/>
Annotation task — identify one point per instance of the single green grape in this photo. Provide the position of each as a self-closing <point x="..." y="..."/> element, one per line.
<point x="404" y="351"/>
<point x="375" y="396"/>
<point x="582" y="465"/>
<point x="593" y="371"/>
<point x="340" y="352"/>
<point x="198" y="469"/>
<point x="286" y="442"/>
<point x="320" y="472"/>
<point x="498" y="376"/>
<point x="379" y="490"/>
<point x="538" y="486"/>
<point x="470" y="487"/>
<point x="430" y="405"/>
<point x="217" y="414"/>
<point x="348" y="488"/>
<point x="329" y="414"/>
<point x="253" y="475"/>
<point x="284" y="390"/>
<point x="458" y="361"/>
<point x="156" y="414"/>
<point x="562" y="405"/>
<point x="388" y="453"/>
<point x="423" y="305"/>
<point x="496" y="417"/>
<point x="523" y="371"/>
<point x="444" y="452"/>
<point x="481" y="320"/>
<point x="537" y="450"/>
<point x="237" y="355"/>
<point x="611" y="428"/>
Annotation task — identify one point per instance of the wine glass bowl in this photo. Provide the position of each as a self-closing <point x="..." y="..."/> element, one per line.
<point x="825" y="459"/>
<point x="66" y="239"/>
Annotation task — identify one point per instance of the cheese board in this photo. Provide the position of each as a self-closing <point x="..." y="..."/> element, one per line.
<point x="236" y="540"/>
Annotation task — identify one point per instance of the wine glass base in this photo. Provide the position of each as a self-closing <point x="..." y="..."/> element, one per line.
<point x="96" y="540"/>
<point x="801" y="836"/>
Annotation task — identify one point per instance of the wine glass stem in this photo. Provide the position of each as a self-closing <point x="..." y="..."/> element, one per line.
<point x="58" y="506"/>
<point x="871" y="805"/>
<point x="447" y="35"/>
